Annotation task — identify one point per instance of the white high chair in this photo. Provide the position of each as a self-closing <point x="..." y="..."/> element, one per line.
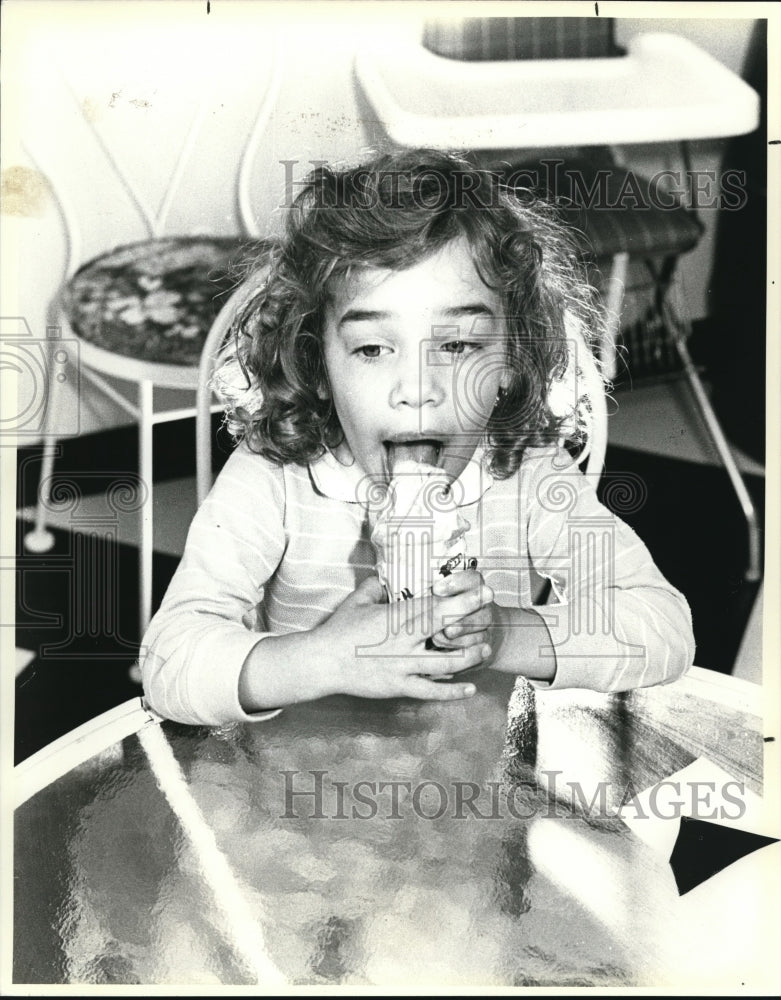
<point x="505" y="86"/>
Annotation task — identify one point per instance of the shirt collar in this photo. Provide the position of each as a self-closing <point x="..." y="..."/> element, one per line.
<point x="336" y="479"/>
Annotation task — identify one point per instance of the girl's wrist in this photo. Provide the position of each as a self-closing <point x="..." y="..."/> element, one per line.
<point x="522" y="644"/>
<point x="284" y="670"/>
<point x="319" y="655"/>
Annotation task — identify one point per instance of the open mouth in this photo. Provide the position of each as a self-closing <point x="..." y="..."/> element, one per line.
<point x="424" y="451"/>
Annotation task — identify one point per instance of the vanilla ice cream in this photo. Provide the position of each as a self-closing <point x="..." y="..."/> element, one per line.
<point x="420" y="533"/>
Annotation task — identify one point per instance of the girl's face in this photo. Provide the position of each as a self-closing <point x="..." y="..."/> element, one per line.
<point x="415" y="360"/>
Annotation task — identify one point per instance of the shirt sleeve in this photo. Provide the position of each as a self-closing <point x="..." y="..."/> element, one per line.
<point x="197" y="642"/>
<point x="614" y="620"/>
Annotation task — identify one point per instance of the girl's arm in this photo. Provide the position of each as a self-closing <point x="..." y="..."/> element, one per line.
<point x="197" y="642"/>
<point x="522" y="644"/>
<point x="358" y="651"/>
<point x="615" y="622"/>
<point x="519" y="638"/>
<point x="204" y="662"/>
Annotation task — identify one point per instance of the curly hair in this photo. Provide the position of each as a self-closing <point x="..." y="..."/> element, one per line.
<point x="392" y="212"/>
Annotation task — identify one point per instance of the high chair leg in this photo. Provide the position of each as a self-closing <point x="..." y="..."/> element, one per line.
<point x="753" y="571"/>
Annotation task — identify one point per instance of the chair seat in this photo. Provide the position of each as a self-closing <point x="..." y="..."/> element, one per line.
<point x="156" y="300"/>
<point x="616" y="210"/>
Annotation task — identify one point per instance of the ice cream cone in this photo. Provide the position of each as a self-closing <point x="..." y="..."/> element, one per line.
<point x="420" y="534"/>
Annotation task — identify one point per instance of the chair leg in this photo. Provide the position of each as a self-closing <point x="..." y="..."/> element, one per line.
<point x="203" y="444"/>
<point x="678" y="333"/>
<point x="146" y="544"/>
<point x="663" y="285"/>
<point x="614" y="297"/>
<point x="39" y="539"/>
<point x="146" y="415"/>
<point x="753" y="571"/>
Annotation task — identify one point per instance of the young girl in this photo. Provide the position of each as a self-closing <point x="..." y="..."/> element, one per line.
<point x="414" y="309"/>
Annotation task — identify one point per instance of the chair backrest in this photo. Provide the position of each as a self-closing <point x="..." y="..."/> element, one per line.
<point x="592" y="401"/>
<point x="138" y="126"/>
<point x="210" y="355"/>
<point x="477" y="39"/>
<point x="130" y="163"/>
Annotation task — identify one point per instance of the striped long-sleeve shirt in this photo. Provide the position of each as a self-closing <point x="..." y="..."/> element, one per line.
<point x="275" y="549"/>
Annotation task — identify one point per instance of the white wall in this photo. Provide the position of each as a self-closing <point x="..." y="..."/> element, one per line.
<point x="140" y="83"/>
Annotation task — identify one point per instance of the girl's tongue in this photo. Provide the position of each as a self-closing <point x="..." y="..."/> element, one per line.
<point x="422" y="452"/>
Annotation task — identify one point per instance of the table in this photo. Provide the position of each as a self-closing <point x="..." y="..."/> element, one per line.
<point x="360" y="842"/>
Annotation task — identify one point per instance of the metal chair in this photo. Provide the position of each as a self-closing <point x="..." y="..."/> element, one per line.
<point x="142" y="311"/>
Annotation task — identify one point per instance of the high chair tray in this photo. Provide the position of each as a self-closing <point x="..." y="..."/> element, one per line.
<point x="665" y="88"/>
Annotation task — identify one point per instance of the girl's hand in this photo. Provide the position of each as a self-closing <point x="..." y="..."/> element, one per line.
<point x="472" y="629"/>
<point x="377" y="650"/>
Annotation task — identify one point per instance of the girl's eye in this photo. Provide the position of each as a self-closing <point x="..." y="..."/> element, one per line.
<point x="458" y="347"/>
<point x="370" y="351"/>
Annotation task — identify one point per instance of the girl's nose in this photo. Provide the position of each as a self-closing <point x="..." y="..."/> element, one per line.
<point x="418" y="384"/>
